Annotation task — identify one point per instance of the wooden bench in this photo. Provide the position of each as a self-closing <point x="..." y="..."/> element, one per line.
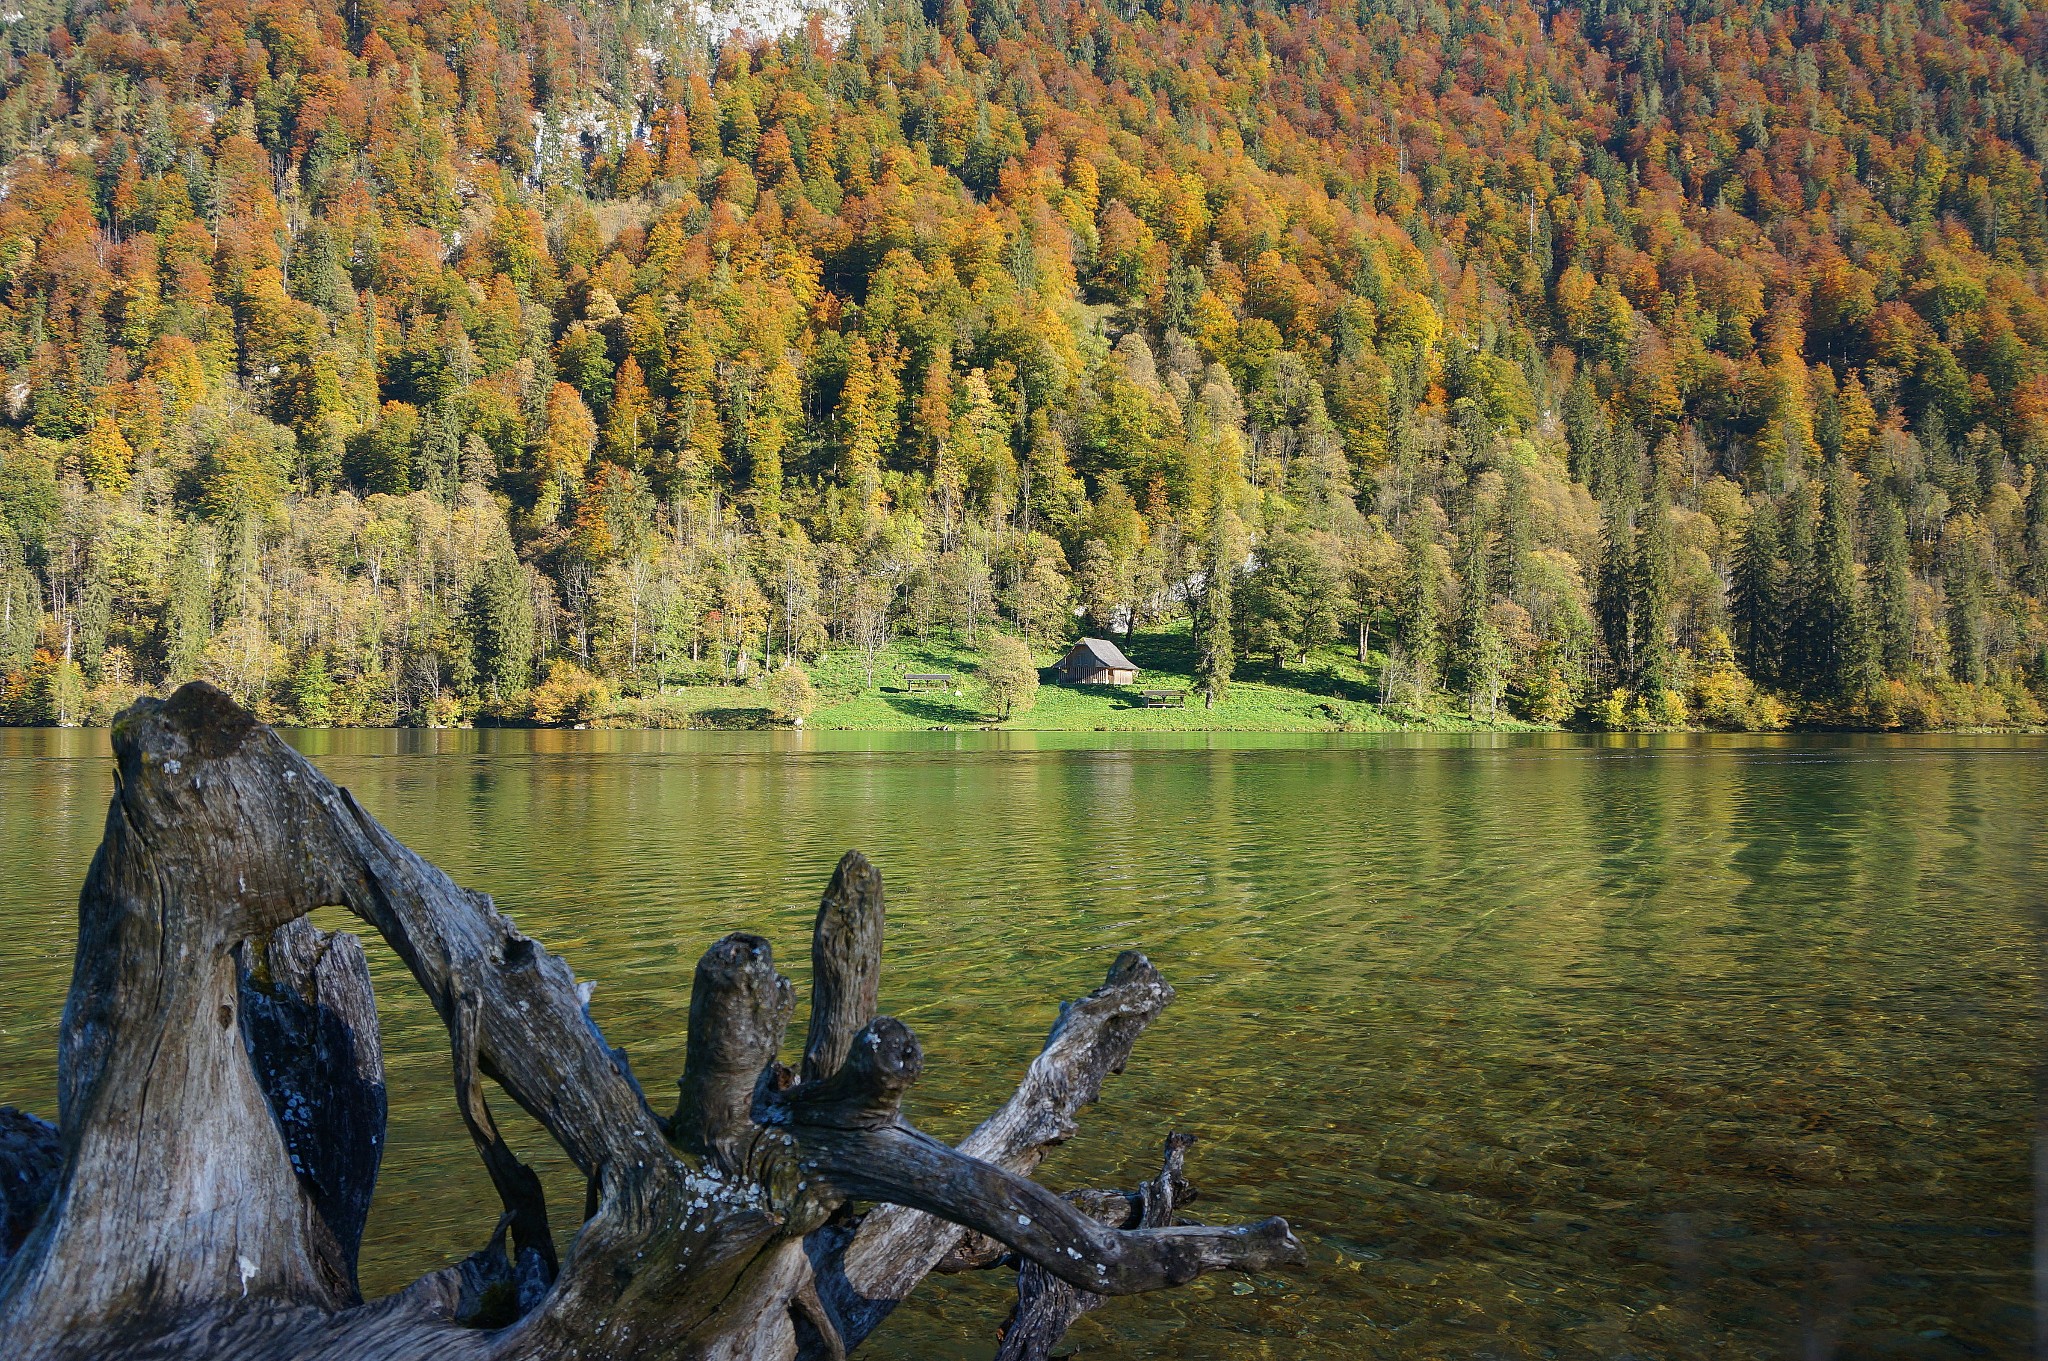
<point x="935" y="680"/>
<point x="1164" y="699"/>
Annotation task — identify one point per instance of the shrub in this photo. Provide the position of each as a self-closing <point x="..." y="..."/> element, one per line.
<point x="569" y="695"/>
<point x="790" y="695"/>
<point x="1667" y="709"/>
<point x="1549" y="698"/>
<point x="1612" y="713"/>
<point x="1767" y="713"/>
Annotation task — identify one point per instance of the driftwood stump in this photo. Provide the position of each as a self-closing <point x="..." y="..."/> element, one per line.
<point x="221" y="1103"/>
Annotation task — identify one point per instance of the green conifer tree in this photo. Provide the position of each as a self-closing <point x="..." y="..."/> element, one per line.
<point x="2036" y="565"/>
<point x="500" y="618"/>
<point x="1836" y="661"/>
<point x="1758" y="596"/>
<point x="1656" y="593"/>
<point x="1892" y="591"/>
<point x="1964" y="579"/>
<point x="1615" y="596"/>
<point x="1418" y="614"/>
<point x="188" y="610"/>
<point x="1796" y="613"/>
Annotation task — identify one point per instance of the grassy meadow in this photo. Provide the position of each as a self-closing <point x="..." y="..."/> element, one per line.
<point x="1327" y="692"/>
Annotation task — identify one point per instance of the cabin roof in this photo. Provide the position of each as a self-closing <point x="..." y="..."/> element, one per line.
<point x="1103" y="653"/>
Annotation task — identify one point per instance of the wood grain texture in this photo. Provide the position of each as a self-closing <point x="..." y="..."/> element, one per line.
<point x="846" y="963"/>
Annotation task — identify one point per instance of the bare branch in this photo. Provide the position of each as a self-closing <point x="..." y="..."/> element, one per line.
<point x="901" y="1165"/>
<point x="518" y="1186"/>
<point x="1046" y="1305"/>
<point x="862" y="1274"/>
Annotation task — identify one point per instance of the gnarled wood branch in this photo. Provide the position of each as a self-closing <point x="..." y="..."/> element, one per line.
<point x="215" y="1038"/>
<point x="1047" y="1305"/>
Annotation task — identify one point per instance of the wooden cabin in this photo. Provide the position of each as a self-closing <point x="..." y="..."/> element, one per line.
<point x="1096" y="661"/>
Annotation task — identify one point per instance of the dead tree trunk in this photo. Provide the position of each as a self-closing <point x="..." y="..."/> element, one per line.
<point x="221" y="1106"/>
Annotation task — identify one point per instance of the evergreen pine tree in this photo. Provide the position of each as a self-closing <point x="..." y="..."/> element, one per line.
<point x="188" y="610"/>
<point x="91" y="617"/>
<point x="21" y="605"/>
<point x="1796" y="615"/>
<point x="1474" y="595"/>
<point x="500" y="617"/>
<point x="1586" y="431"/>
<point x="1965" y="585"/>
<point x="1656" y="592"/>
<point x="1757" y="596"/>
<point x="1418" y="614"/>
<point x="1511" y="545"/>
<point x="1836" y="648"/>
<point x="2036" y="564"/>
<point x="1953" y="475"/>
<point x="1614" y="598"/>
<point x="311" y="690"/>
<point x="1891" y="591"/>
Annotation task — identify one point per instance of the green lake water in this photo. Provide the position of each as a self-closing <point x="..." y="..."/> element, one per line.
<point x="1547" y="1046"/>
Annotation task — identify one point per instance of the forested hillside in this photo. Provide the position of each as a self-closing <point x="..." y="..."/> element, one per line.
<point x="1643" y="363"/>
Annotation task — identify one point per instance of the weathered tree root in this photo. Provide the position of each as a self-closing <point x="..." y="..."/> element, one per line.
<point x="1047" y="1305"/>
<point x="222" y="1112"/>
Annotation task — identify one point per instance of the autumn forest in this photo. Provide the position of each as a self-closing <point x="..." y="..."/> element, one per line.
<point x="1630" y="365"/>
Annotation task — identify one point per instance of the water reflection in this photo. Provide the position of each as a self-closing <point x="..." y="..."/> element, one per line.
<point x="1549" y="1046"/>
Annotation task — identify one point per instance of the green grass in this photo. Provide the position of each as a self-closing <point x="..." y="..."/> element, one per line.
<point x="1328" y="692"/>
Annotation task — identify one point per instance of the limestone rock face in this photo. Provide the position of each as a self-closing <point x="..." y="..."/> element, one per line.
<point x="763" y="18"/>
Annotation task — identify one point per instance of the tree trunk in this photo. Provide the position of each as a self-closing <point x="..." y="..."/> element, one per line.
<point x="218" y="1040"/>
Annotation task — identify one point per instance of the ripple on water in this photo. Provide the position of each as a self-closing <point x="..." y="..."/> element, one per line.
<point x="1548" y="1048"/>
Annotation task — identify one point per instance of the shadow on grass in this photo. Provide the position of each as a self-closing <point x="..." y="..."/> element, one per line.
<point x="1132" y="698"/>
<point x="940" y="708"/>
<point x="1172" y="653"/>
<point x="1170" y="656"/>
<point x="1309" y="679"/>
<point x="733" y="719"/>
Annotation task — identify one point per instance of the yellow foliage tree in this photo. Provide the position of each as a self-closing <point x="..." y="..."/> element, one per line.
<point x="107" y="458"/>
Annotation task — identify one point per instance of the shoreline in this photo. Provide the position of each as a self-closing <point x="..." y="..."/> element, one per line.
<point x="1441" y="727"/>
<point x="1326" y="691"/>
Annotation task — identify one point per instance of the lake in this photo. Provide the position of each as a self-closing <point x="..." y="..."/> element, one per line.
<point x="1547" y="1046"/>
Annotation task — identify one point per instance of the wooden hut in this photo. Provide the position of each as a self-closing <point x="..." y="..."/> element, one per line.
<point x="1096" y="661"/>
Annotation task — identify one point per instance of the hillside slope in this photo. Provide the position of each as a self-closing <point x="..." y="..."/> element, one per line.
<point x="1637" y="363"/>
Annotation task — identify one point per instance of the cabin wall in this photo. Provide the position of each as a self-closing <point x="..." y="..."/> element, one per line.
<point x="1083" y="670"/>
